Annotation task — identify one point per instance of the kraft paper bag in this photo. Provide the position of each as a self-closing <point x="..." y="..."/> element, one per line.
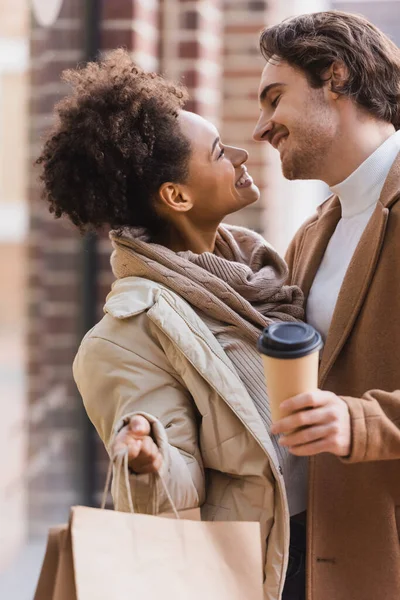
<point x="47" y="578"/>
<point x="58" y="563"/>
<point x="111" y="555"/>
<point x="65" y="588"/>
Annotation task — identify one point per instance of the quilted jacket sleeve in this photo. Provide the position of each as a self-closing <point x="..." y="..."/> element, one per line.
<point x="116" y="383"/>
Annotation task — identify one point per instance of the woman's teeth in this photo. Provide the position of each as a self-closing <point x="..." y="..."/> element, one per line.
<point x="244" y="180"/>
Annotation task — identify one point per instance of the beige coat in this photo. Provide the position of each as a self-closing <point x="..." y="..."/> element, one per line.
<point x="152" y="354"/>
<point x="354" y="507"/>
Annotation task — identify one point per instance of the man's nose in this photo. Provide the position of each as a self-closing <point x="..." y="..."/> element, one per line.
<point x="261" y="130"/>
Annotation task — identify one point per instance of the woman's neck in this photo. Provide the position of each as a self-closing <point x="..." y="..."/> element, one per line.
<point x="187" y="237"/>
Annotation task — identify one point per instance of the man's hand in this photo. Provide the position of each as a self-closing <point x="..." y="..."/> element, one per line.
<point x="322" y="421"/>
<point x="143" y="454"/>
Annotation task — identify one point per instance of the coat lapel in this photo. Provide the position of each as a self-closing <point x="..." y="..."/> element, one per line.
<point x="315" y="241"/>
<point x="354" y="289"/>
<point x="359" y="274"/>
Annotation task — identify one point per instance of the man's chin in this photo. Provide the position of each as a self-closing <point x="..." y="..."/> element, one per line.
<point x="292" y="173"/>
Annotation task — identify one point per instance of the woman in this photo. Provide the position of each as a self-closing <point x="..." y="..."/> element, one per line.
<point x="172" y="370"/>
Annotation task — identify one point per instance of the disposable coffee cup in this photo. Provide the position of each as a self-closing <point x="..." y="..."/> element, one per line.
<point x="290" y="353"/>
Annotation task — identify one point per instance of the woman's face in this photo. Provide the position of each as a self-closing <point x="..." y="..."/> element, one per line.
<point x="218" y="183"/>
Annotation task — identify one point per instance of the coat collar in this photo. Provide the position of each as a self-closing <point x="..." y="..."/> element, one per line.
<point x="315" y="240"/>
<point x="360" y="271"/>
<point x="131" y="296"/>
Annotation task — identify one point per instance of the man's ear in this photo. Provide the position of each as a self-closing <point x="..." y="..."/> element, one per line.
<point x="336" y="76"/>
<point x="174" y="197"/>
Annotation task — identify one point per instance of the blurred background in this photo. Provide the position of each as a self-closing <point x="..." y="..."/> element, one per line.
<point x="53" y="281"/>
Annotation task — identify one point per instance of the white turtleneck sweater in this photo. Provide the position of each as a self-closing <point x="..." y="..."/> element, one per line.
<point x="358" y="195"/>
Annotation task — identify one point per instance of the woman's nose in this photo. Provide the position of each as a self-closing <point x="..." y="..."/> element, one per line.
<point x="237" y="156"/>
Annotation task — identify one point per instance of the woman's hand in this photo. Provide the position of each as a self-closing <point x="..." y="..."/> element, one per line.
<point x="143" y="454"/>
<point x="313" y="423"/>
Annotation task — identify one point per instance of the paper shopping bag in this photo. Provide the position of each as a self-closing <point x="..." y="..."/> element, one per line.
<point x="65" y="588"/>
<point x="111" y="555"/>
<point x="121" y="556"/>
<point x="47" y="578"/>
<point x="108" y="555"/>
<point x="56" y="579"/>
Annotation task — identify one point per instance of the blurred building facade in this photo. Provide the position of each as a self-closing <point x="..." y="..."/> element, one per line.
<point x="211" y="46"/>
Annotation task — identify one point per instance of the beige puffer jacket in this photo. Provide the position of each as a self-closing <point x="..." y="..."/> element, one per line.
<point x="151" y="354"/>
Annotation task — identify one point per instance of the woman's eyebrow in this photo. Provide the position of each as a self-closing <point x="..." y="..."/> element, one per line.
<point x="215" y="142"/>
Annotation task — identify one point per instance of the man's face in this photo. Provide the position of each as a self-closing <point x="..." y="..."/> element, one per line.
<point x="298" y="120"/>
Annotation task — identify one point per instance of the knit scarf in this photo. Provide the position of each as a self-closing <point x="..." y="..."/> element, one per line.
<point x="242" y="283"/>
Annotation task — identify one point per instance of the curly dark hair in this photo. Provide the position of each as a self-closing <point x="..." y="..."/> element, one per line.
<point x="116" y="140"/>
<point x="312" y="42"/>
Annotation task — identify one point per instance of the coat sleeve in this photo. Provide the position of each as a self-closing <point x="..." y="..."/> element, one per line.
<point x="116" y="383"/>
<point x="375" y="426"/>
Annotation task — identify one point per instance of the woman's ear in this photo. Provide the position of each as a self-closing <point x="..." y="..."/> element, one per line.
<point x="174" y="197"/>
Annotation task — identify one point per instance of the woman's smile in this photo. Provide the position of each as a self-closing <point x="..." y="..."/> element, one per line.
<point x="245" y="180"/>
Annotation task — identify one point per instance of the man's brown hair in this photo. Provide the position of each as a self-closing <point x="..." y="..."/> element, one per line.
<point x="312" y="42"/>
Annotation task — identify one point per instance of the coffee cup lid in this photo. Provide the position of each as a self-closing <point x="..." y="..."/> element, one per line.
<point x="289" y="340"/>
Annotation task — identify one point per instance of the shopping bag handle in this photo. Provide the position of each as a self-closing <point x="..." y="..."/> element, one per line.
<point x="121" y="463"/>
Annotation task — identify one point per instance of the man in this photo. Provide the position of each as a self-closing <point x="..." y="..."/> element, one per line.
<point x="329" y="98"/>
